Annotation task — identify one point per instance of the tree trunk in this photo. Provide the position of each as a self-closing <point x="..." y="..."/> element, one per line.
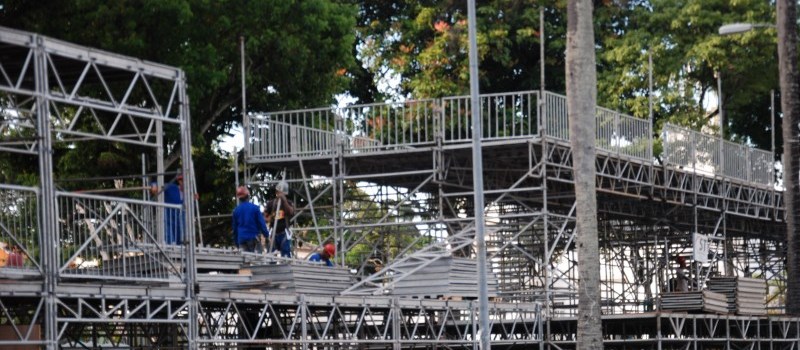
<point x="790" y="104"/>
<point x="581" y="101"/>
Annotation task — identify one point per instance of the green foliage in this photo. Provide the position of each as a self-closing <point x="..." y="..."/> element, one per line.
<point x="425" y="43"/>
<point x="298" y="54"/>
<point x="687" y="51"/>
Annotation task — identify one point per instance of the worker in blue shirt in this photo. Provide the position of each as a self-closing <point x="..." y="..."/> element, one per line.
<point x="325" y="255"/>
<point x="174" y="219"/>
<point x="248" y="223"/>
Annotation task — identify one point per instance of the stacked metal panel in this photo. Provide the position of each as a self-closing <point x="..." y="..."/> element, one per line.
<point x="715" y="302"/>
<point x="682" y="301"/>
<point x="727" y="287"/>
<point x="700" y="301"/>
<point x="302" y="278"/>
<point x="445" y="277"/>
<point x="751" y="296"/>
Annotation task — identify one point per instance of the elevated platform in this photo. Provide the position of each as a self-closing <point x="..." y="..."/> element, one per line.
<point x="406" y="168"/>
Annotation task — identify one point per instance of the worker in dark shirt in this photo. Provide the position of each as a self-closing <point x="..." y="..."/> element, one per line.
<point x="248" y="223"/>
<point x="325" y="255"/>
<point x="279" y="212"/>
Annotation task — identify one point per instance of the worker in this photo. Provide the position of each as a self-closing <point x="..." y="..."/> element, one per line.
<point x="279" y="212"/>
<point x="681" y="278"/>
<point x="248" y="223"/>
<point x="325" y="255"/>
<point x="174" y="218"/>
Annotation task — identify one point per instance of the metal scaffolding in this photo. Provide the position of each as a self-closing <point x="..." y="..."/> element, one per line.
<point x="404" y="168"/>
<point x="391" y="185"/>
<point x="59" y="95"/>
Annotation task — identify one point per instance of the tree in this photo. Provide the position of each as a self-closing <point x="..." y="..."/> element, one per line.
<point x="292" y="61"/>
<point x="682" y="38"/>
<point x="581" y="102"/>
<point x="423" y="44"/>
<point x="790" y="103"/>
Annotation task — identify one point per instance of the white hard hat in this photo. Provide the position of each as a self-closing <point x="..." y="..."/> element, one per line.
<point x="282" y="186"/>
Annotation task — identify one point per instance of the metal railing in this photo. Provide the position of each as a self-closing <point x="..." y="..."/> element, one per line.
<point x="710" y="155"/>
<point x="391" y="125"/>
<point x="616" y="133"/>
<point x="505" y="116"/>
<point x="555" y="117"/>
<point x="417" y="123"/>
<point x="19" y="226"/>
<point x="114" y="238"/>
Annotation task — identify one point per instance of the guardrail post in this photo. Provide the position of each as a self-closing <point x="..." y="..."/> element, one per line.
<point x="692" y="154"/>
<point x="748" y="163"/>
<point x="616" y="134"/>
<point x="474" y="321"/>
<point x="303" y="325"/>
<point x="539" y="325"/>
<point x="396" y="319"/>
<point x="721" y="153"/>
<point x="539" y="104"/>
<point x="293" y="144"/>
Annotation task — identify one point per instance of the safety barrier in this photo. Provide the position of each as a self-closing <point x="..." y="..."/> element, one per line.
<point x="616" y="133"/>
<point x="116" y="238"/>
<point x="391" y="125"/>
<point x="505" y="116"/>
<point x="710" y="155"/>
<point x="19" y="227"/>
<point x="418" y="123"/>
<point x="395" y="124"/>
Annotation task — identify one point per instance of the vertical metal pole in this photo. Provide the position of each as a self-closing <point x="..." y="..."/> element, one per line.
<point x="338" y="193"/>
<point x="47" y="206"/>
<point x="245" y="120"/>
<point x="477" y="175"/>
<point x="144" y="177"/>
<point x="542" y="134"/>
<point x="474" y="324"/>
<point x="650" y="116"/>
<point x="160" y="227"/>
<point x="236" y="168"/>
<point x="541" y="51"/>
<point x="539" y="325"/>
<point x="721" y="108"/>
<point x="650" y="88"/>
<point x="303" y="322"/>
<point x="340" y="245"/>
<point x="695" y="182"/>
<point x="772" y="179"/>
<point x="189" y="204"/>
<point x="396" y="319"/>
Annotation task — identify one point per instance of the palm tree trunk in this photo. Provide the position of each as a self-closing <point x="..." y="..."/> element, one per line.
<point x="790" y="104"/>
<point x="581" y="101"/>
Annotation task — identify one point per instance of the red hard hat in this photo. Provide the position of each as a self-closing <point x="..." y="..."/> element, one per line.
<point x="330" y="249"/>
<point x="242" y="192"/>
<point x="179" y="177"/>
<point x="680" y="260"/>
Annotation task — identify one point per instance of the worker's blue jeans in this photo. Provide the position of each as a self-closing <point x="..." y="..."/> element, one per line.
<point x="282" y="244"/>
<point x="173" y="226"/>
